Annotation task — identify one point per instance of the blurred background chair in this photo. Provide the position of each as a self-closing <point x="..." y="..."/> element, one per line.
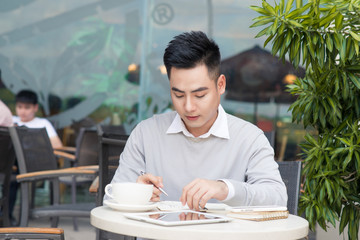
<point x="111" y="145"/>
<point x="84" y="153"/>
<point x="290" y="172"/>
<point x="7" y="159"/>
<point x="270" y="135"/>
<point x="37" y="162"/>
<point x="112" y="141"/>
<point x="31" y="233"/>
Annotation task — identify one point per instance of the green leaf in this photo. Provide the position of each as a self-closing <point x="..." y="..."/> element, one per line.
<point x="355" y="36"/>
<point x="288" y="38"/>
<point x="288" y="6"/>
<point x="295" y="23"/>
<point x="328" y="189"/>
<point x="297" y="12"/>
<point x="299" y="3"/>
<point x="355" y="80"/>
<point x="329" y="42"/>
<point x="325" y="21"/>
<point x="277" y="44"/>
<point x="274" y="26"/>
<point x="356" y="46"/>
<point x="344" y="219"/>
<point x="282" y="6"/>
<point x="262" y="32"/>
<point x="262" y="18"/>
<point x="337" y="40"/>
<point x="350" y="51"/>
<point x="262" y="22"/>
<point x="339" y="21"/>
<point x="347" y="160"/>
<point x="269" y="8"/>
<point x="344" y="141"/>
<point x="260" y="10"/>
<point x="269" y="38"/>
<point x="343" y="56"/>
<point x="311" y="49"/>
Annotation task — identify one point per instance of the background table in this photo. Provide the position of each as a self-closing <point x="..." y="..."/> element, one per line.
<point x="110" y="220"/>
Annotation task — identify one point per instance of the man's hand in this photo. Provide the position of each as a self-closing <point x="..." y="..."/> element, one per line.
<point x="200" y="191"/>
<point x="156" y="181"/>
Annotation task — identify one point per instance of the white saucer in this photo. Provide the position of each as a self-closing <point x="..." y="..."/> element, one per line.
<point x="130" y="208"/>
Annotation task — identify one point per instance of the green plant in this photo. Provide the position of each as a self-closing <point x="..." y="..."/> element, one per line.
<point x="324" y="34"/>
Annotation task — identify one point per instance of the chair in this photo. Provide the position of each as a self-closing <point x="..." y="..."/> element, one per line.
<point x="6" y="164"/>
<point x="37" y="163"/>
<point x="290" y="172"/>
<point x="85" y="153"/>
<point x="31" y="233"/>
<point x="111" y="145"/>
<point x="270" y="135"/>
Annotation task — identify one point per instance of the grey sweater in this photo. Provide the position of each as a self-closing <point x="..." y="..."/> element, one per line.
<point x="246" y="160"/>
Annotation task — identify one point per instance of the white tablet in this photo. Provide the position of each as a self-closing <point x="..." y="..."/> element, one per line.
<point x="176" y="218"/>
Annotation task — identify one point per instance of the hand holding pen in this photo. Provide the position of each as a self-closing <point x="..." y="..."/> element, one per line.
<point x="156" y="181"/>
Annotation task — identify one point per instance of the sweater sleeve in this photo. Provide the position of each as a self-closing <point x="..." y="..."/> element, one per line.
<point x="263" y="184"/>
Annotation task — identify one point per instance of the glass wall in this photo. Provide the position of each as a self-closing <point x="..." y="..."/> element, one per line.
<point x="102" y="60"/>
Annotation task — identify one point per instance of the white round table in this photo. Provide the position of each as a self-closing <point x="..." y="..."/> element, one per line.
<point x="294" y="227"/>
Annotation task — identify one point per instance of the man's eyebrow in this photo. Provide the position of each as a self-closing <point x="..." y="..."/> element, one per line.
<point x="177" y="90"/>
<point x="196" y="90"/>
<point x="200" y="89"/>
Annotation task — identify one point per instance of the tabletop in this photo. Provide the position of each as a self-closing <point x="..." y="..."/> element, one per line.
<point x="294" y="227"/>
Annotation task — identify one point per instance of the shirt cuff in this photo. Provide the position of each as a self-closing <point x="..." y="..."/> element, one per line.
<point x="231" y="189"/>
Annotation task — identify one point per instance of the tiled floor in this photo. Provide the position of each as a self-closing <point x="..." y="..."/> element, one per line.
<point x="85" y="231"/>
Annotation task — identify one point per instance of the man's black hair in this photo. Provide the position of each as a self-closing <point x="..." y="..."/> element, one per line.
<point x="190" y="49"/>
<point x="26" y="96"/>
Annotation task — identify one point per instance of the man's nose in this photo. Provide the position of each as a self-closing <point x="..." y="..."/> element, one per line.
<point x="189" y="104"/>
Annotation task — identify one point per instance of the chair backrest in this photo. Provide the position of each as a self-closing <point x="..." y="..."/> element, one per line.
<point x="290" y="172"/>
<point x="7" y="160"/>
<point x="270" y="135"/>
<point x="87" y="147"/>
<point x="32" y="233"/>
<point x="113" y="129"/>
<point x="111" y="146"/>
<point x="33" y="149"/>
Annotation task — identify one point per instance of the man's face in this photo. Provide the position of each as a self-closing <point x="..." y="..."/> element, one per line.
<point x="196" y="97"/>
<point x="26" y="111"/>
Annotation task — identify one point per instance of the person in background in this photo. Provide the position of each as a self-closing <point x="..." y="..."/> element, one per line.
<point x="5" y="116"/>
<point x="26" y="106"/>
<point x="199" y="153"/>
<point x="7" y="121"/>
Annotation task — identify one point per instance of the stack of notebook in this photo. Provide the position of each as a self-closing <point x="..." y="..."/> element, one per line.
<point x="259" y="213"/>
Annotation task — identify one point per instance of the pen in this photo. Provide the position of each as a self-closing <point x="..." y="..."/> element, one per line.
<point x="162" y="190"/>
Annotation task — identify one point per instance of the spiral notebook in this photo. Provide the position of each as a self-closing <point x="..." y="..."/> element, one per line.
<point x="259" y="213"/>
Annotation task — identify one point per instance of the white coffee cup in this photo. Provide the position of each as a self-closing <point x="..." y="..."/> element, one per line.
<point x="130" y="193"/>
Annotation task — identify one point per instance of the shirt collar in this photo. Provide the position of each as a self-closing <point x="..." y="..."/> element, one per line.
<point x="219" y="128"/>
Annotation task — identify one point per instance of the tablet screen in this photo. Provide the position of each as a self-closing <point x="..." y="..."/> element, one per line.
<point x="183" y="217"/>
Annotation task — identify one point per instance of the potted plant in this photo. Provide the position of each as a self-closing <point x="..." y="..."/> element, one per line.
<point x="324" y="37"/>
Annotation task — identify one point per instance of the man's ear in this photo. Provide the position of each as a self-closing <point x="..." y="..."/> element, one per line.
<point x="221" y="83"/>
<point x="36" y="107"/>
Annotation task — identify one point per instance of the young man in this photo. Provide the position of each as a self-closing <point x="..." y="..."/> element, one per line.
<point x="26" y="107"/>
<point x="199" y="152"/>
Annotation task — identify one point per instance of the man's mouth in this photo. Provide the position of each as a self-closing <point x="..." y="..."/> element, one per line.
<point x="192" y="118"/>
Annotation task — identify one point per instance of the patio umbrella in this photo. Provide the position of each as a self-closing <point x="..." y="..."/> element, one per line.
<point x="256" y="75"/>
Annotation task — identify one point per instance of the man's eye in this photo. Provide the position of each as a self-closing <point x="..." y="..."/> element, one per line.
<point x="200" y="96"/>
<point x="179" y="96"/>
